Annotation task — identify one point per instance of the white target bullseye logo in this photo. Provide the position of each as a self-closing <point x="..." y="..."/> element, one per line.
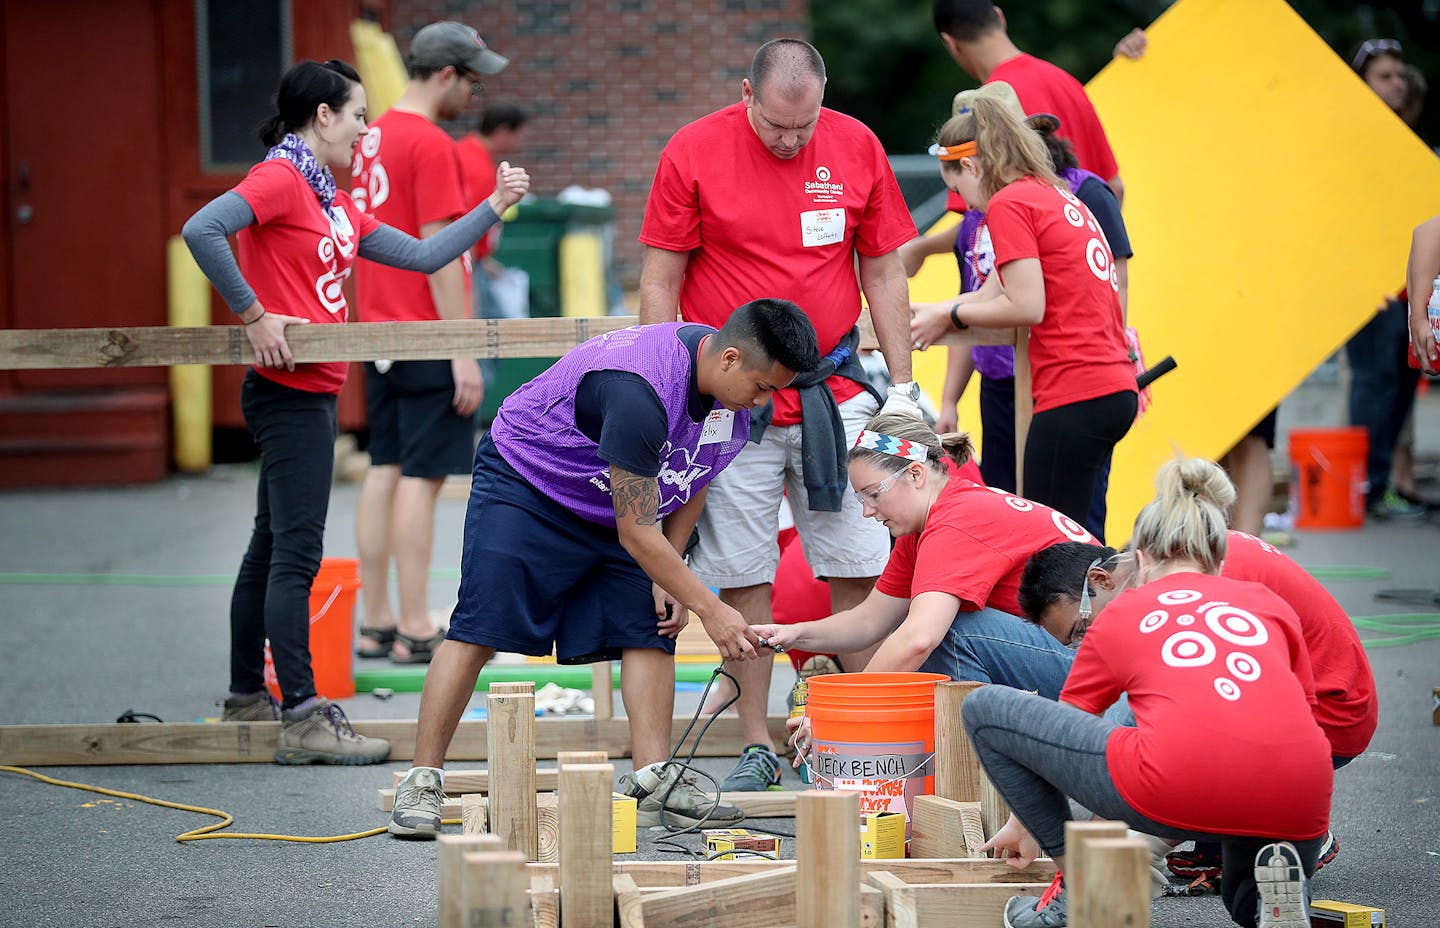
<point x="370" y="144"/>
<point x="1244" y="666"/>
<point x="1018" y="504"/>
<point x="1072" y="216"/>
<point x="1098" y="257"/>
<point x="1185" y="620"/>
<point x="1178" y="597"/>
<point x="1188" y="649"/>
<point x="1069" y="527"/>
<point x="1236" y="626"/>
<point x="1227" y="688"/>
<point x="822" y="173"/>
<point x="1154" y="621"/>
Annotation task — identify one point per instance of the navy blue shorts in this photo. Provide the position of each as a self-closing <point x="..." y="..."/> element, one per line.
<point x="535" y="577"/>
<point x="413" y="421"/>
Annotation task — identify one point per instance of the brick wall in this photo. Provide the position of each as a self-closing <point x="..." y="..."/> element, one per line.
<point x="609" y="81"/>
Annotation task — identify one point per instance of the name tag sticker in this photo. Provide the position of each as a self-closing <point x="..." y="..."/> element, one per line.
<point x="822" y="227"/>
<point x="719" y="426"/>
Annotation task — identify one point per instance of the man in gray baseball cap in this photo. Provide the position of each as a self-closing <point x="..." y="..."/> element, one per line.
<point x="454" y="44"/>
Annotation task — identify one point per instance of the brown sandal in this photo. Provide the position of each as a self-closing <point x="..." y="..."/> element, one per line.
<point x="421" y="649"/>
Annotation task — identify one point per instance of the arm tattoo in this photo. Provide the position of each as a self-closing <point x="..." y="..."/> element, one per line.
<point x="635" y="497"/>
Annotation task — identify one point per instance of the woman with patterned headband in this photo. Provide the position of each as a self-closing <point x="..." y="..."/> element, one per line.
<point x="1054" y="272"/>
<point x="950" y="586"/>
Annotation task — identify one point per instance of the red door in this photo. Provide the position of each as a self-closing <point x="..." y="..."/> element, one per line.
<point x="84" y="162"/>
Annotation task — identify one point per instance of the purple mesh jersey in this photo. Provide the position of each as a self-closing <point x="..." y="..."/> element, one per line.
<point x="535" y="429"/>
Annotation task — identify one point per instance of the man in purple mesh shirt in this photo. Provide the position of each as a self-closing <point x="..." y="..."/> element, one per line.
<point x="565" y="547"/>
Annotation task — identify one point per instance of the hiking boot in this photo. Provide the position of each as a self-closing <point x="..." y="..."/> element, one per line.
<point x="685" y="804"/>
<point x="1281" y="884"/>
<point x="320" y="734"/>
<point x="261" y="707"/>
<point x="1203" y="861"/>
<point x="758" y="770"/>
<point x="417" y="805"/>
<point x="1328" y="851"/>
<point x="1046" y="911"/>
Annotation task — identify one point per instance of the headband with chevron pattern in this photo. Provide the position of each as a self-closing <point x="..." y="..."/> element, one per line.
<point x="889" y="444"/>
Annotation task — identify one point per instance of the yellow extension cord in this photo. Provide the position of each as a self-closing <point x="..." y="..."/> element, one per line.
<point x="209" y="832"/>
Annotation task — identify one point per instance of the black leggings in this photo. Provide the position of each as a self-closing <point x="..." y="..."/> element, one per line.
<point x="1068" y="447"/>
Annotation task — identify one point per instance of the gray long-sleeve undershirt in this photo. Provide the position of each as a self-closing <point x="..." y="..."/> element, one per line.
<point x="206" y="231"/>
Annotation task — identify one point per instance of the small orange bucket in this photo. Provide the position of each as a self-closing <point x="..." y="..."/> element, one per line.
<point x="332" y="622"/>
<point x="874" y="733"/>
<point x="1327" y="489"/>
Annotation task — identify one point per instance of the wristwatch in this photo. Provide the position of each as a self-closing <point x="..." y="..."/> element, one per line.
<point x="909" y="389"/>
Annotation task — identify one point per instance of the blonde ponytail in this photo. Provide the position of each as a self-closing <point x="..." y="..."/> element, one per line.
<point x="1186" y="520"/>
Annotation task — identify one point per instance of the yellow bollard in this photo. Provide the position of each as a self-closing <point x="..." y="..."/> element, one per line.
<point x="190" y="384"/>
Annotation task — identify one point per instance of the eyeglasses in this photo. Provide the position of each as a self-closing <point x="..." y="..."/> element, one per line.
<point x="872" y="497"/>
<point x="1086" y="611"/>
<point x="476" y="88"/>
<point x="1373" y="47"/>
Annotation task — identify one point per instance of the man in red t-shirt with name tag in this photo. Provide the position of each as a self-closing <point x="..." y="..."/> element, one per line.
<point x="776" y="196"/>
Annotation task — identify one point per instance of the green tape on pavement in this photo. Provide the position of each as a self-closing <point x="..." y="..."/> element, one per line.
<point x="1348" y="572"/>
<point x="570" y="676"/>
<point x="1404" y="628"/>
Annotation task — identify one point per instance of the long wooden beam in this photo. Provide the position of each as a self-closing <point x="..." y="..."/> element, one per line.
<point x="754" y="805"/>
<point x="254" y="742"/>
<point x="163" y="346"/>
<point x="656" y="874"/>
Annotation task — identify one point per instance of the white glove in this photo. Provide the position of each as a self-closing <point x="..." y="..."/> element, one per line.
<point x="902" y="399"/>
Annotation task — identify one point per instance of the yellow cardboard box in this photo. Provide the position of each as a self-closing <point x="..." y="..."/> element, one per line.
<point x="1325" y="913"/>
<point x="623" y="823"/>
<point x="721" y="842"/>
<point x="882" y="835"/>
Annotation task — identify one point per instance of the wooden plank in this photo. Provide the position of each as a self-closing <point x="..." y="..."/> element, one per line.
<point x="994" y="810"/>
<point x="511" y="749"/>
<point x="957" y="769"/>
<point x="827" y="851"/>
<point x="254" y="742"/>
<point x="460" y="782"/>
<point x="547" y="827"/>
<point x="162" y="346"/>
<point x="657" y="874"/>
<point x="1080" y="838"/>
<point x="544" y="901"/>
<point x="627" y="901"/>
<point x="493" y="891"/>
<point x="1118" y="884"/>
<point x="587" y="899"/>
<point x="451" y="878"/>
<point x="872" y="909"/>
<point x="1024" y="404"/>
<point x="602" y="689"/>
<point x="766" y="898"/>
<point x="923" y="905"/>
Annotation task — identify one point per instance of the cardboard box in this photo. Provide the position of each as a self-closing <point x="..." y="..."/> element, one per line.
<point x="1325" y="913"/>
<point x="882" y="835"/>
<point x="720" y="841"/>
<point x="623" y="823"/>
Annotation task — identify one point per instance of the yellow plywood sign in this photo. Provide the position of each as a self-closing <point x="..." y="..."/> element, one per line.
<point x="1270" y="197"/>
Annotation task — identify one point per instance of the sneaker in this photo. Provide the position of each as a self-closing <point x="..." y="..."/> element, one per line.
<point x="1281" y="884"/>
<point x="1328" y="851"/>
<point x="321" y="734"/>
<point x="1203" y="861"/>
<point x="1394" y="506"/>
<point x="758" y="771"/>
<point x="1047" y="911"/>
<point x="260" y="707"/>
<point x="417" y="805"/>
<point x="685" y="806"/>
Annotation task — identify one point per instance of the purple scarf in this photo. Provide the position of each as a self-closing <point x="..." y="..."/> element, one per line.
<point x="295" y="151"/>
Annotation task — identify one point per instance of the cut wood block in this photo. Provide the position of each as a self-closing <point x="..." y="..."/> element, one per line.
<point x="942" y="827"/>
<point x="587" y="897"/>
<point x="493" y="891"/>
<point x="544" y="900"/>
<point x="627" y="901"/>
<point x="474" y="814"/>
<point x="451" y="878"/>
<point x="547" y="823"/>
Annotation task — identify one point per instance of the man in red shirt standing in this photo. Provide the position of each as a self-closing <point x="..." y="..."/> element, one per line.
<point x="974" y="34"/>
<point x="406" y="174"/>
<point x="775" y="196"/>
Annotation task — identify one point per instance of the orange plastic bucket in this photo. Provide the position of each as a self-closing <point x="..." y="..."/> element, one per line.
<point x="874" y="733"/>
<point x="332" y="620"/>
<point x="1327" y="489"/>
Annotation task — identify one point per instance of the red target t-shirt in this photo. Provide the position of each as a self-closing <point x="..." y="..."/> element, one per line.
<point x="1219" y="680"/>
<point x="1077" y="351"/>
<point x="296" y="259"/>
<point x="974" y="546"/>
<point x="406" y="174"/>
<point x="1346" y="705"/>
<point x="759" y="226"/>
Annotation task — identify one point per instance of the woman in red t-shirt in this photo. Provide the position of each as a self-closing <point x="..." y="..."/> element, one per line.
<point x="1054" y="272"/>
<point x="1209" y="664"/>
<point x="299" y="237"/>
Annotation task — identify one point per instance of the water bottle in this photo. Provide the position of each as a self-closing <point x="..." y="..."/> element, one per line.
<point x="799" y="693"/>
<point x="1433" y="312"/>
